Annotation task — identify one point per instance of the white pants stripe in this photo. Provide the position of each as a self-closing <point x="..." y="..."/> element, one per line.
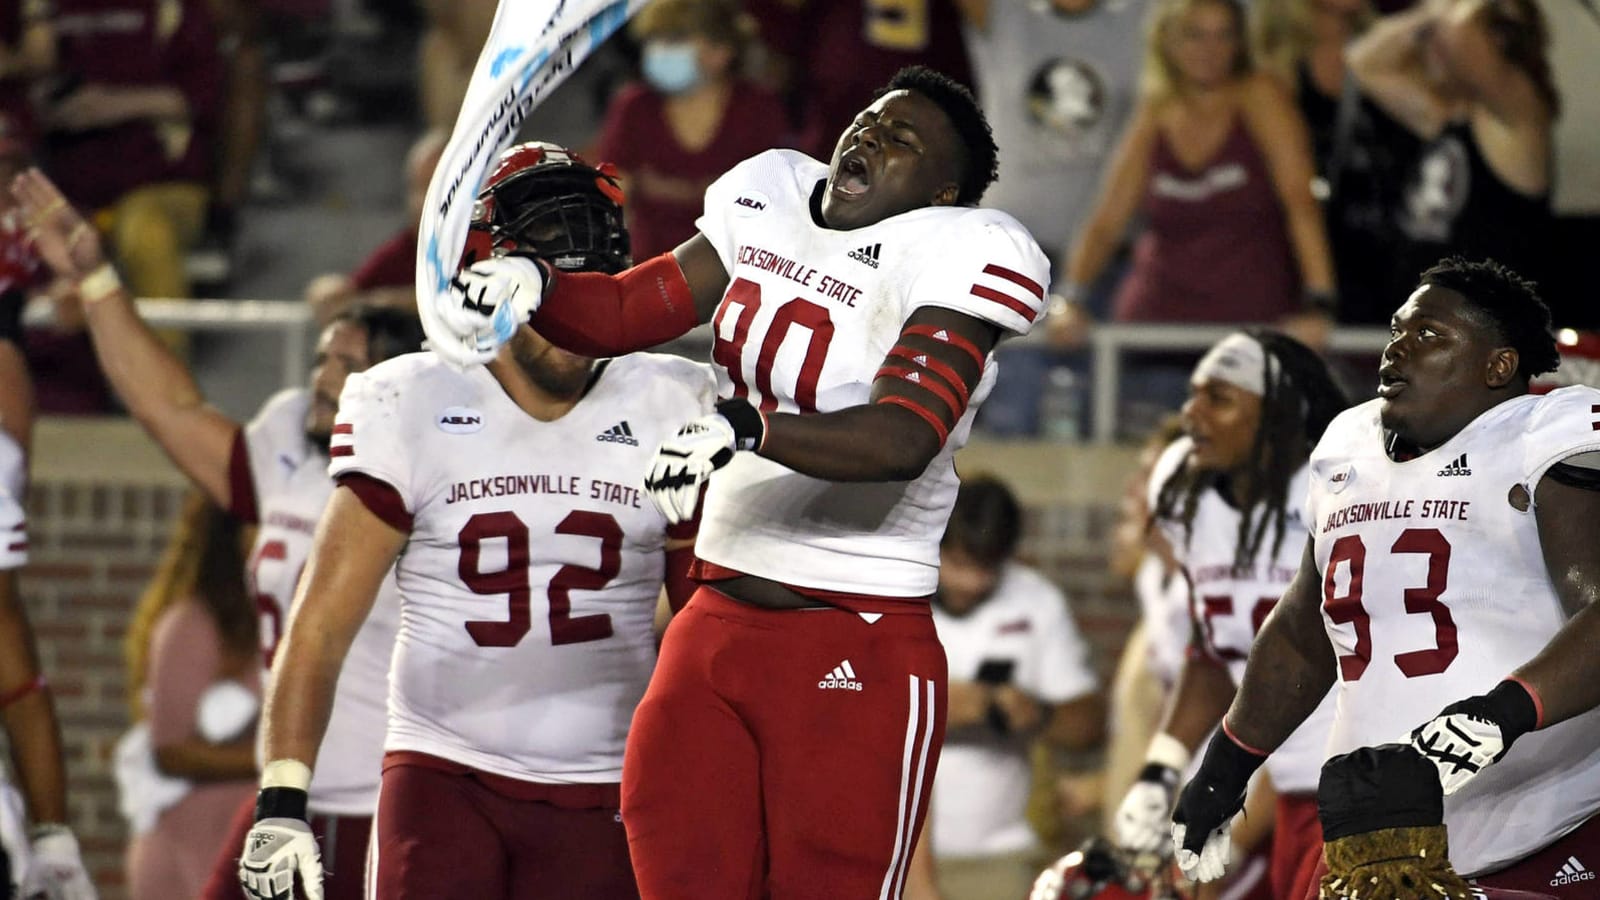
<point x="913" y="769"/>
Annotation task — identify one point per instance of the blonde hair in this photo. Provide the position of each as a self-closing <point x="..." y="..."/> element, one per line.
<point x="204" y="561"/>
<point x="1159" y="78"/>
<point x="1281" y="36"/>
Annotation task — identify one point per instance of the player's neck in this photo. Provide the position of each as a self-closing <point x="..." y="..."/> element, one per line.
<point x="529" y="396"/>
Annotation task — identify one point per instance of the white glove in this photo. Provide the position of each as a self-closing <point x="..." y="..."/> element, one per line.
<point x="1460" y="745"/>
<point x="484" y="306"/>
<point x="274" y="851"/>
<point x="684" y="462"/>
<point x="13" y="835"/>
<point x="1144" y="820"/>
<point x="57" y="871"/>
<point x="1212" y="861"/>
<point x="1469" y="735"/>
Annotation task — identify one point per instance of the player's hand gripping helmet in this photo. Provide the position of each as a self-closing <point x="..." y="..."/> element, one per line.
<point x="544" y="200"/>
<point x="1099" y="870"/>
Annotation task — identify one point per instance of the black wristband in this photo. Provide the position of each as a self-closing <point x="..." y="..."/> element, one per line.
<point x="1326" y="302"/>
<point x="1156" y="773"/>
<point x="996" y="717"/>
<point x="11" y="303"/>
<point x="281" y="803"/>
<point x="749" y="428"/>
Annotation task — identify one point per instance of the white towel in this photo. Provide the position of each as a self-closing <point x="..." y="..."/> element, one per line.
<point x="143" y="791"/>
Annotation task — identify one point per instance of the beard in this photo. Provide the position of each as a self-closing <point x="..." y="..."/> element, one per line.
<point x="559" y="374"/>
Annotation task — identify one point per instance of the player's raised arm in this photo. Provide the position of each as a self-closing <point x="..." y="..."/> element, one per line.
<point x="150" y="380"/>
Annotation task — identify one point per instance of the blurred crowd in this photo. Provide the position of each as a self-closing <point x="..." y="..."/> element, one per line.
<point x="1287" y="163"/>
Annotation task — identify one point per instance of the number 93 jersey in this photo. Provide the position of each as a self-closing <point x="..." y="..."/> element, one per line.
<point x="1435" y="588"/>
<point x="529" y="581"/>
<point x="1228" y="603"/>
<point x="809" y="316"/>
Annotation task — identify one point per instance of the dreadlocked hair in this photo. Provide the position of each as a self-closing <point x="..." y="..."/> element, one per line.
<point x="203" y="562"/>
<point x="1510" y="302"/>
<point x="1299" y="401"/>
<point x="980" y="158"/>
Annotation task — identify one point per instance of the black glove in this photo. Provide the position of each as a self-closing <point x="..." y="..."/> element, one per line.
<point x="1207" y="804"/>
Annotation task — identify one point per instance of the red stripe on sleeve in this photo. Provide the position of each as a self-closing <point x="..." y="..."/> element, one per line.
<point x="946" y="336"/>
<point x="341" y="451"/>
<point x="923" y="412"/>
<point x="1006" y="300"/>
<point x="380" y="498"/>
<point x="344" y="428"/>
<point x="1033" y="287"/>
<point x="241" y="485"/>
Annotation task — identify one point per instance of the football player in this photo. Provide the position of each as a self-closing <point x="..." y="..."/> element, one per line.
<point x="788" y="741"/>
<point x="1449" y="580"/>
<point x="44" y="861"/>
<point x="1229" y="497"/>
<point x="271" y="472"/>
<point x="507" y="502"/>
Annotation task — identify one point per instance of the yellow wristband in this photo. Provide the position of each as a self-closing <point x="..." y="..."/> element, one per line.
<point x="99" y="284"/>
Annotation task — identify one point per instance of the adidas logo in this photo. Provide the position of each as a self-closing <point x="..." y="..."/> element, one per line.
<point x="1572" y="872"/>
<point x="843" y="677"/>
<point x="619" y="433"/>
<point x="1457" y="466"/>
<point x="867" y="254"/>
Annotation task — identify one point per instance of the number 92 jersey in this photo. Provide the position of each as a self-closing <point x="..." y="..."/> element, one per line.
<point x="1435" y="588"/>
<point x="529" y="581"/>
<point x="809" y="316"/>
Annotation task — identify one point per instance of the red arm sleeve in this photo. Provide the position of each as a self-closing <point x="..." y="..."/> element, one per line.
<point x="597" y="315"/>
<point x="680" y="586"/>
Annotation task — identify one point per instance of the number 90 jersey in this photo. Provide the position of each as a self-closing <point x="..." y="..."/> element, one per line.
<point x="1435" y="588"/>
<point x="529" y="581"/>
<point x="808" y="318"/>
<point x="1228" y="603"/>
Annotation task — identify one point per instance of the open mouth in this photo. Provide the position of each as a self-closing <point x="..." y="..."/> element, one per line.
<point x="853" y="179"/>
<point x="1390" y="383"/>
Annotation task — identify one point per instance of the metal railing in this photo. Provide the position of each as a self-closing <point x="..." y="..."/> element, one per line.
<point x="1108" y="343"/>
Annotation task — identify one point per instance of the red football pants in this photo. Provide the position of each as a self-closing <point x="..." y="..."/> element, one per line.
<point x="443" y="836"/>
<point x="1296" y="845"/>
<point x="783" y="755"/>
<point x="342" y="840"/>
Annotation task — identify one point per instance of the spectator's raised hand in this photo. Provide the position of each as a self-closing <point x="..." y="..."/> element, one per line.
<point x="64" y="239"/>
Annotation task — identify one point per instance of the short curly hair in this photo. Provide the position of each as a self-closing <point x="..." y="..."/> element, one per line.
<point x="1509" y="302"/>
<point x="980" y="158"/>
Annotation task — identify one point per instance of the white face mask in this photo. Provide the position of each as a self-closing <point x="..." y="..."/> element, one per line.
<point x="671" y="67"/>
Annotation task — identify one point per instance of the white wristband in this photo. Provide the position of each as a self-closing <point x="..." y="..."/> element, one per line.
<point x="1166" y="750"/>
<point x="289" y="773"/>
<point x="99" y="284"/>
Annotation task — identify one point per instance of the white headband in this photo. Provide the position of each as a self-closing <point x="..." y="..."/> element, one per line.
<point x="1240" y="360"/>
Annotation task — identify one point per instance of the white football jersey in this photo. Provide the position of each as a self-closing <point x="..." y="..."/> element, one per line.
<point x="808" y="318"/>
<point x="287" y="488"/>
<point x="13" y="504"/>
<point x="1228" y="604"/>
<point x="980" y="793"/>
<point x="1435" y="589"/>
<point x="529" y="583"/>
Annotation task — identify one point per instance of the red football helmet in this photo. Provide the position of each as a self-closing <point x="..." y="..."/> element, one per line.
<point x="544" y="199"/>
<point x="1099" y="870"/>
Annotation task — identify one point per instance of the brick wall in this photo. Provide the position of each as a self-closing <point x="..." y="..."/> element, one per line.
<point x="103" y="499"/>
